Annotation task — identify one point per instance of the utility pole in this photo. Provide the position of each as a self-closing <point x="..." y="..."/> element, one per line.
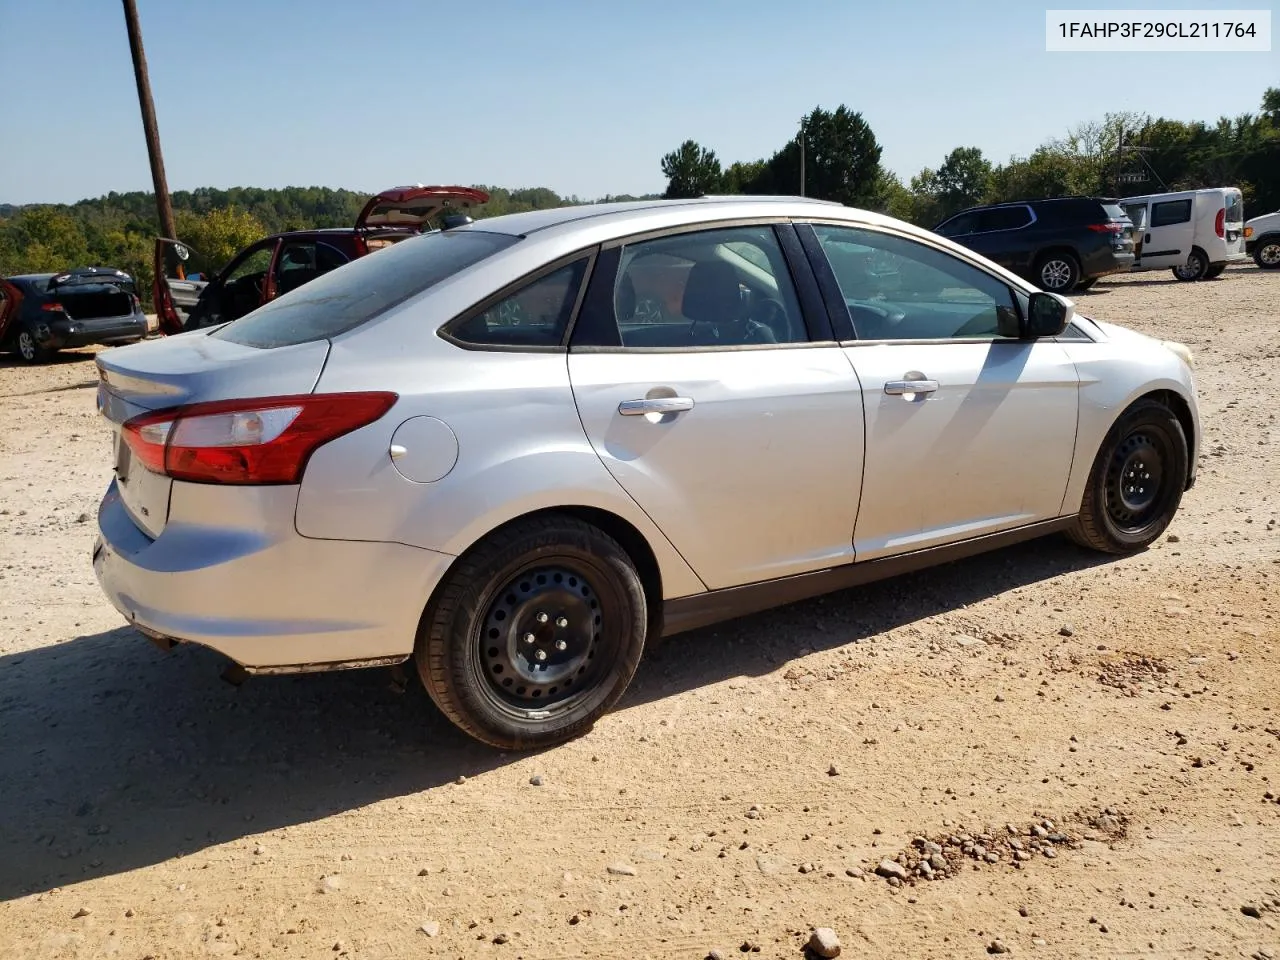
<point x="1119" y="159"/>
<point x="163" y="205"/>
<point x="802" y="156"/>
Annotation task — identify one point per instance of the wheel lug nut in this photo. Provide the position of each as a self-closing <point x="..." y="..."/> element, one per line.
<point x="529" y="638"/>
<point x="562" y="622"/>
<point x="540" y="655"/>
<point x="541" y="617"/>
<point x="561" y="645"/>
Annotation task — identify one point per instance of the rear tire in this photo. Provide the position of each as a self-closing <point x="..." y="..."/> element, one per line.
<point x="534" y="634"/>
<point x="1267" y="253"/>
<point x="1136" y="483"/>
<point x="28" y="348"/>
<point x="1195" y="268"/>
<point x="1057" y="272"/>
<point x="1086" y="283"/>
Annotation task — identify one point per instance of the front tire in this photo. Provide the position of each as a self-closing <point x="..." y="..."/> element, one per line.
<point x="534" y="634"/>
<point x="1196" y="267"/>
<point x="1136" y="483"/>
<point x="1057" y="272"/>
<point x="1267" y="253"/>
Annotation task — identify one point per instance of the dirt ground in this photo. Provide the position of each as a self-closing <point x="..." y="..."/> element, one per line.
<point x="746" y="789"/>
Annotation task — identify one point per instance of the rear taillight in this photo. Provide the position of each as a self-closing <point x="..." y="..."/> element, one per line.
<point x="1220" y="223"/>
<point x="260" y="441"/>
<point x="51" y="307"/>
<point x="1116" y="228"/>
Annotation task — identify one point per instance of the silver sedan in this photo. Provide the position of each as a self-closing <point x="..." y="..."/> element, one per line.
<point x="516" y="451"/>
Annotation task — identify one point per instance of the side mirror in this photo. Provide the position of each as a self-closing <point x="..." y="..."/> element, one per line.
<point x="1047" y="315"/>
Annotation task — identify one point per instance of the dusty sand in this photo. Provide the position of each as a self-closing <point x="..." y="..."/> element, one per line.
<point x="331" y="817"/>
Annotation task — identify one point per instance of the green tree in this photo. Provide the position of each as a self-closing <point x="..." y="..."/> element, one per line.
<point x="741" y="175"/>
<point x="221" y="233"/>
<point x="842" y="160"/>
<point x="691" y="171"/>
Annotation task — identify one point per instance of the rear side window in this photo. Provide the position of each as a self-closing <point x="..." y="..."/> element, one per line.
<point x="1170" y="212"/>
<point x="1004" y="218"/>
<point x="536" y="315"/>
<point x="344" y="299"/>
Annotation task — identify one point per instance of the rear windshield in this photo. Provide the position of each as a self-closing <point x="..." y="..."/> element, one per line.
<point x="343" y="299"/>
<point x="1235" y="208"/>
<point x="1114" y="211"/>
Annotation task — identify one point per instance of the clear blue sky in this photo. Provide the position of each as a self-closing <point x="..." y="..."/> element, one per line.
<point x="582" y="96"/>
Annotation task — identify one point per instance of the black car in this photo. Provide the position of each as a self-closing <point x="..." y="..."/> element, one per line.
<point x="41" y="313"/>
<point x="1060" y="245"/>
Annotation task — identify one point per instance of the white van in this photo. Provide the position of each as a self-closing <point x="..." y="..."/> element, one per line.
<point x="1196" y="233"/>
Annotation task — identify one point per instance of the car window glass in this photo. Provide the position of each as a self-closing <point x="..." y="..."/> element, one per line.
<point x="302" y="261"/>
<point x="964" y="223"/>
<point x="710" y="288"/>
<point x="1004" y="218"/>
<point x="342" y="300"/>
<point x="536" y="315"/>
<point x="898" y="289"/>
<point x="1170" y="212"/>
<point x="256" y="263"/>
<point x="1235" y="207"/>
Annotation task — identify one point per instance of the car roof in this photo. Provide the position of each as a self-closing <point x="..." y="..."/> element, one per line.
<point x="628" y="216"/>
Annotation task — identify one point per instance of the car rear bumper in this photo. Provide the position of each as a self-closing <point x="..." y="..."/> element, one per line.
<point x="66" y="332"/>
<point x="267" y="598"/>
<point x="1104" y="263"/>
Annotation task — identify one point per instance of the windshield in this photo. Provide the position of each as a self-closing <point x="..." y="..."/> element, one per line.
<point x="343" y="299"/>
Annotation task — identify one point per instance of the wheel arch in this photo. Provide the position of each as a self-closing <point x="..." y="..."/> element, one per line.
<point x="629" y="537"/>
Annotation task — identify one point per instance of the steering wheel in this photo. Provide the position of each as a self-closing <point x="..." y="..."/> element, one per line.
<point x="771" y="314"/>
<point x="888" y="317"/>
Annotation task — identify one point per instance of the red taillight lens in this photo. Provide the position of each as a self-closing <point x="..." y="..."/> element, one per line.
<point x="1220" y="223"/>
<point x="51" y="307"/>
<point x="1107" y="227"/>
<point x="259" y="441"/>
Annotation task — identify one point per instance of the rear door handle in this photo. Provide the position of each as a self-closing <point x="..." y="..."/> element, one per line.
<point x="638" y="408"/>
<point x="898" y="388"/>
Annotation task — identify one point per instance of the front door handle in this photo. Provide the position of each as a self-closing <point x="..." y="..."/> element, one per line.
<point x="899" y="388"/>
<point x="638" y="408"/>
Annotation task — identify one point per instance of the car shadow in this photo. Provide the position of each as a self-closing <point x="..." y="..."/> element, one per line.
<point x="117" y="756"/>
<point x="63" y="358"/>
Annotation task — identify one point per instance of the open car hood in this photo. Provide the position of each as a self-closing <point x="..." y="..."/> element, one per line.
<point x="414" y="206"/>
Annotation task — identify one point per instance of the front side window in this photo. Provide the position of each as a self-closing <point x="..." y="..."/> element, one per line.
<point x="1170" y="212"/>
<point x="342" y="300"/>
<point x="253" y="267"/>
<point x="536" y="315"/>
<point x="898" y="289"/>
<point x="959" y="225"/>
<point x="302" y="261"/>
<point x="727" y="287"/>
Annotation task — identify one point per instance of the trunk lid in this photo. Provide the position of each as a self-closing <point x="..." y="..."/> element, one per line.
<point x="188" y="368"/>
<point x="414" y="206"/>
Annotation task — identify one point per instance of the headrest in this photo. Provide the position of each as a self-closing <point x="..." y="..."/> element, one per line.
<point x="711" y="293"/>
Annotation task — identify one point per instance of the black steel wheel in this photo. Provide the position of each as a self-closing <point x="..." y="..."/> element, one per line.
<point x="1137" y="481"/>
<point x="535" y="633"/>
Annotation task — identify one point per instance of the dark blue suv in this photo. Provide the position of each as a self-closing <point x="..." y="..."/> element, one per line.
<point x="41" y="313"/>
<point x="1060" y="245"/>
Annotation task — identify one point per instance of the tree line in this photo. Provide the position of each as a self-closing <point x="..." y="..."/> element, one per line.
<point x="118" y="229"/>
<point x="841" y="159"/>
<point x="842" y="162"/>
